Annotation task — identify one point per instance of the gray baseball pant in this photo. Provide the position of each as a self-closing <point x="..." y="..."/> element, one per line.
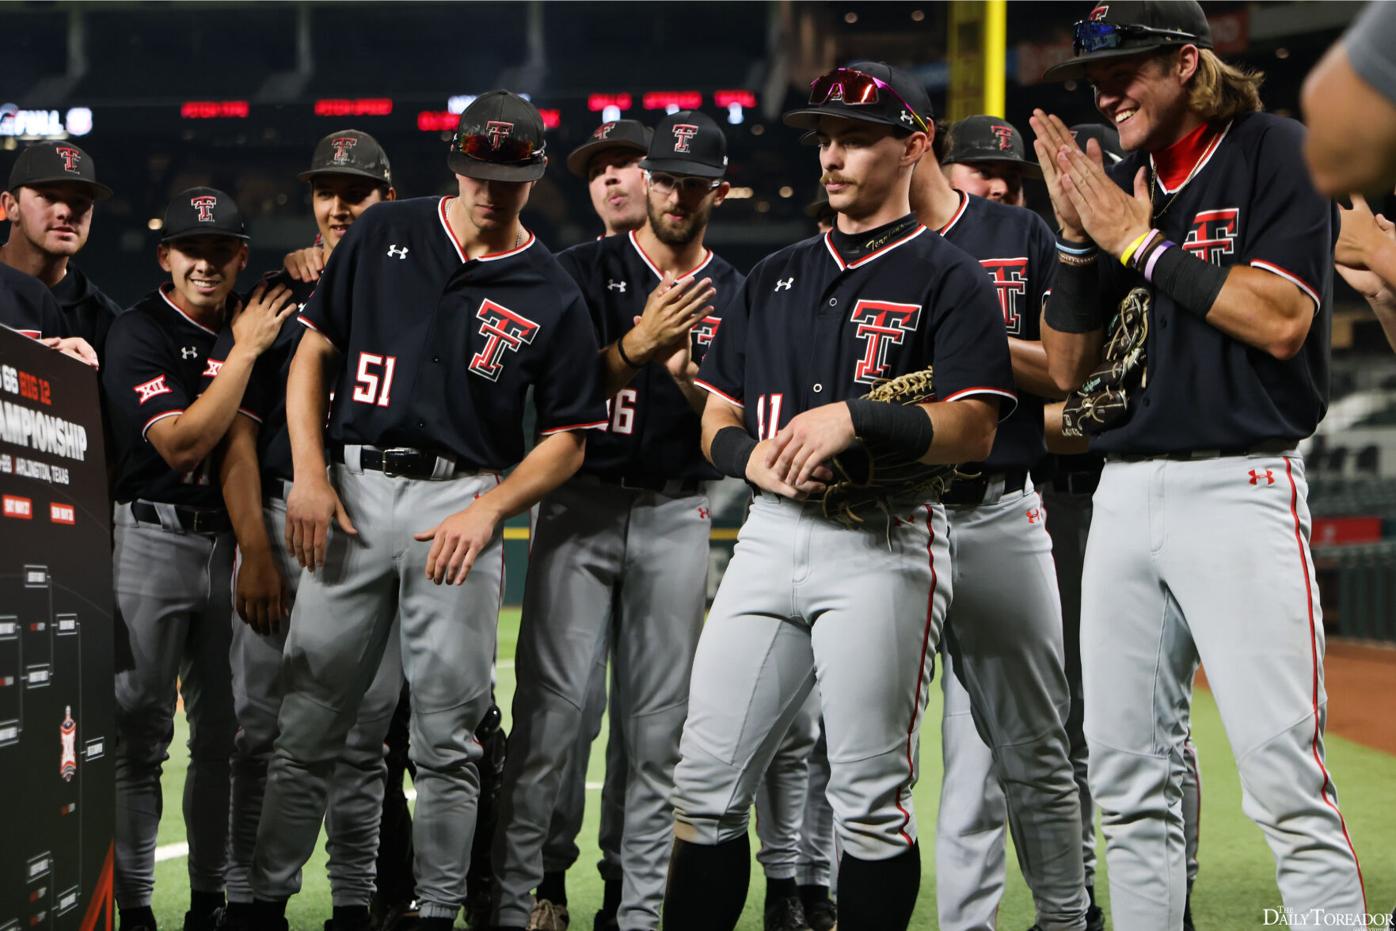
<point x="172" y="589"/>
<point x="355" y="790"/>
<point x="783" y="792"/>
<point x="1208" y="560"/>
<point x="818" y="847"/>
<point x="1006" y="640"/>
<point x="805" y="600"/>
<point x="340" y="626"/>
<point x="600" y="551"/>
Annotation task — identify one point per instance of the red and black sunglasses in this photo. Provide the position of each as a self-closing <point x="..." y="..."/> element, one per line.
<point x="856" y="88"/>
<point x="498" y="149"/>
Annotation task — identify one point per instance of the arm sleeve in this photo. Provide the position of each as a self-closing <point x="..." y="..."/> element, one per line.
<point x="567" y="392"/>
<point x="1370" y="41"/>
<point x="1290" y="230"/>
<point x="723" y="370"/>
<point x="330" y="308"/>
<point x="140" y="378"/>
<point x="970" y="346"/>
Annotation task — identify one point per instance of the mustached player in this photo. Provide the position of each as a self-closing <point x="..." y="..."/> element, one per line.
<point x="805" y="599"/>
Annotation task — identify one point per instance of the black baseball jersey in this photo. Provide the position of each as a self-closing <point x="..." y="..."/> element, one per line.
<point x="27" y="306"/>
<point x="1249" y="202"/>
<point x="812" y="328"/>
<point x="1018" y="250"/>
<point x="264" y="399"/>
<point x="440" y="350"/>
<point x="654" y="433"/>
<point x="156" y="359"/>
<point x="87" y="311"/>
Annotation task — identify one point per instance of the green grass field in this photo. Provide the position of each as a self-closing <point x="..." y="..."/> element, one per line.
<point x="1235" y="885"/>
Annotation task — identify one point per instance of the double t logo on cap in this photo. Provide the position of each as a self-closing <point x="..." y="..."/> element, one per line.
<point x="683" y="133"/>
<point x="204" y="203"/>
<point x="342" y="145"/>
<point x="70" y="156"/>
<point x="498" y="131"/>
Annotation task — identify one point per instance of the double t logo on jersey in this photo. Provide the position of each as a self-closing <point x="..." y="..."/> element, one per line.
<point x="1010" y="278"/>
<point x="1213" y="234"/>
<point x="704" y="332"/>
<point x="504" y="331"/>
<point x="881" y="324"/>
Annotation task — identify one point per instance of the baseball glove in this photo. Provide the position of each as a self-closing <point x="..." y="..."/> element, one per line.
<point x="1102" y="401"/>
<point x="868" y="475"/>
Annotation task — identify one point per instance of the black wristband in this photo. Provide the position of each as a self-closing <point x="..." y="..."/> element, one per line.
<point x="731" y="450"/>
<point x="620" y="348"/>
<point x="1192" y="283"/>
<point x="905" y="427"/>
<point x="1074" y="306"/>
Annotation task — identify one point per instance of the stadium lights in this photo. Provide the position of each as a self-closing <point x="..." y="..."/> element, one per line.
<point x="362" y="106"/>
<point x="214" y="109"/>
<point x="604" y="102"/>
<point x="672" y="101"/>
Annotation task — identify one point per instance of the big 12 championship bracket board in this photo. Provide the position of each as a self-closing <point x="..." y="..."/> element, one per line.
<point x="56" y="644"/>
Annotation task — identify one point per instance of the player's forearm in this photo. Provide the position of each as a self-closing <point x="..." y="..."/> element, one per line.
<point x="1052" y="433"/>
<point x="188" y="439"/>
<point x="1030" y="370"/>
<point x="1070" y="356"/>
<point x="718" y="415"/>
<point x="964" y="430"/>
<point x="553" y="461"/>
<point x="1262" y="310"/>
<point x="240" y="476"/>
<point x="696" y="397"/>
<point x="616" y="373"/>
<point x="1381" y="261"/>
<point x="307" y="399"/>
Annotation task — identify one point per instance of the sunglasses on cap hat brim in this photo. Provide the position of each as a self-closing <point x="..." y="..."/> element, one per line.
<point x="1090" y="36"/>
<point x="857" y="89"/>
<point x="492" y="158"/>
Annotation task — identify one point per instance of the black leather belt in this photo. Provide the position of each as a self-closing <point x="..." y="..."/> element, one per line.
<point x="191" y="519"/>
<point x="405" y="462"/>
<point x="275" y="488"/>
<point x="972" y="490"/>
<point x="1076" y="483"/>
<point x="1269" y="447"/>
<point x="667" y="486"/>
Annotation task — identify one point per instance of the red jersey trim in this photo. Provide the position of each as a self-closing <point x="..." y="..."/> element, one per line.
<point x="460" y="250"/>
<point x="959" y="212"/>
<point x="32" y="334"/>
<point x="875" y="254"/>
<point x="996" y="392"/>
<point x="1289" y="276"/>
<point x="1325" y="789"/>
<point x="158" y="417"/>
<point x="597" y="425"/>
<point x="175" y="308"/>
<point x="711" y="389"/>
<point x="644" y="256"/>
<point x="249" y="415"/>
<point x="1197" y="166"/>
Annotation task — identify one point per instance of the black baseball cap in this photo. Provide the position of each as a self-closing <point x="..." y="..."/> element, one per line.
<point x="1132" y="27"/>
<point x="202" y="211"/>
<point x="982" y="139"/>
<point x="52" y="162"/>
<point x="1106" y="136"/>
<point x="896" y="98"/>
<point x="688" y="143"/>
<point x="350" y="152"/>
<point x="500" y="138"/>
<point x="628" y="135"/>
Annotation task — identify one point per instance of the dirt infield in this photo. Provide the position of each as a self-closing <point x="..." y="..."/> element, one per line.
<point x="1361" y="682"/>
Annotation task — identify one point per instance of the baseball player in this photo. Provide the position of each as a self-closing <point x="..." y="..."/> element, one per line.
<point x="173" y="555"/>
<point x="49" y="203"/>
<point x="627" y="538"/>
<point x="443" y="312"/>
<point x="805" y="598"/>
<point x="985" y="156"/>
<point x="1208" y="255"/>
<point x="609" y="161"/>
<point x="1006" y="699"/>
<point x="348" y="174"/>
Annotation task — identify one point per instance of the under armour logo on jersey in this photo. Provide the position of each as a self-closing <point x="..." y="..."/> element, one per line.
<point x="342" y="145"/>
<point x="397" y="252"/>
<point x="504" y="331"/>
<point x="204" y="203"/>
<point x="882" y="324"/>
<point x="1268" y="476"/>
<point x="1004" y="135"/>
<point x="1011" y="284"/>
<point x="613" y="285"/>
<point x="153" y="388"/>
<point x="1213" y="234"/>
<point x="704" y="332"/>
<point x="498" y="131"/>
<point x="784" y="285"/>
<point x="214" y="367"/>
<point x="188" y="352"/>
<point x="70" y="157"/>
<point x="683" y="134"/>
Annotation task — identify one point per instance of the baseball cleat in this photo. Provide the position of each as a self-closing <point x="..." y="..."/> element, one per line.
<point x="785" y="914"/>
<point x="548" y="916"/>
<point x="822" y="915"/>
